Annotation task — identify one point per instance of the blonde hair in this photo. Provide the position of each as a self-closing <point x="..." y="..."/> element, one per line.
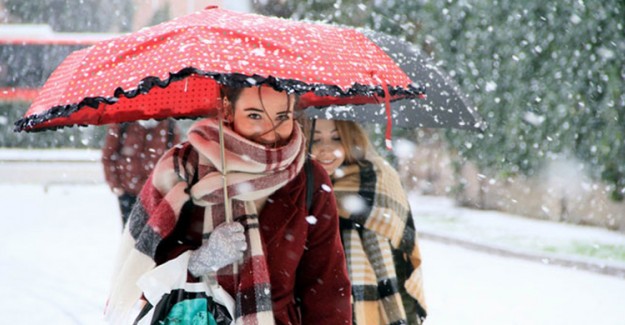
<point x="354" y="139"/>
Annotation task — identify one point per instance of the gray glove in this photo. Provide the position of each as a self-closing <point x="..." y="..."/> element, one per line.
<point x="225" y="246"/>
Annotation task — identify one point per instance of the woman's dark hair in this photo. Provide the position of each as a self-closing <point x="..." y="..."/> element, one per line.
<point x="233" y="94"/>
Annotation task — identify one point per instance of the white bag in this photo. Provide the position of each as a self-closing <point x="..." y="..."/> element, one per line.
<point x="172" y="275"/>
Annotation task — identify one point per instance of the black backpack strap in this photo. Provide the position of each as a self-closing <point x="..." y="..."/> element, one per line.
<point x="181" y="159"/>
<point x="310" y="183"/>
<point x="310" y="178"/>
<point x="170" y="133"/>
<point x="122" y="128"/>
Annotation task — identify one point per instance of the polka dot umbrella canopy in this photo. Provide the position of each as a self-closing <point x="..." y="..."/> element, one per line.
<point x="175" y="69"/>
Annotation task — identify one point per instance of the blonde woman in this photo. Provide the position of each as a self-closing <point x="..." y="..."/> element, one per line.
<point x="377" y="229"/>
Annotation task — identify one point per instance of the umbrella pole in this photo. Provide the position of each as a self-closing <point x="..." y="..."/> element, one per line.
<point x="224" y="172"/>
<point x="227" y="206"/>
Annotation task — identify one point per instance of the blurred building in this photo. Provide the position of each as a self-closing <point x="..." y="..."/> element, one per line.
<point x="149" y="12"/>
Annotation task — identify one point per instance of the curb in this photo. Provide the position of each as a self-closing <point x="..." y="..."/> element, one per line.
<point x="597" y="267"/>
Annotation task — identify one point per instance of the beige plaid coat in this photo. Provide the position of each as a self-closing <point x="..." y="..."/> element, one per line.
<point x="380" y="242"/>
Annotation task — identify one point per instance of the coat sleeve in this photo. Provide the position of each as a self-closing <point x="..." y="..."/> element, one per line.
<point x="323" y="285"/>
<point x="110" y="154"/>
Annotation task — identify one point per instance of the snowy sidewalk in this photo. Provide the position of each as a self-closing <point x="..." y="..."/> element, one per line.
<point x="50" y="166"/>
<point x="581" y="247"/>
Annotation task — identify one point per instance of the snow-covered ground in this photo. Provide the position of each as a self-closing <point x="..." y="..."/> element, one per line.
<point x="468" y="287"/>
<point x="56" y="245"/>
<point x="58" y="236"/>
<point x="584" y="247"/>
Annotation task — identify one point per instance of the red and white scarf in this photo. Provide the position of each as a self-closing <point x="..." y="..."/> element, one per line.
<point x="253" y="172"/>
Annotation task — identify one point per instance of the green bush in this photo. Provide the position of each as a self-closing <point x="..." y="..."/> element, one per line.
<point x="547" y="76"/>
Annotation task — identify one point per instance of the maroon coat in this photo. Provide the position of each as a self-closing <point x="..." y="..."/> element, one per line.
<point x="128" y="157"/>
<point x="305" y="258"/>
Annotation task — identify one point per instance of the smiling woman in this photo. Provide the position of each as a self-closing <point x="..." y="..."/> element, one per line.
<point x="376" y="225"/>
<point x="327" y="148"/>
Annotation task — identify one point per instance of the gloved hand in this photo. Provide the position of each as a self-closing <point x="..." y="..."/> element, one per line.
<point x="225" y="246"/>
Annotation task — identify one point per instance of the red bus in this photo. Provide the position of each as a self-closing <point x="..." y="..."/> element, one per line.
<point x="29" y="54"/>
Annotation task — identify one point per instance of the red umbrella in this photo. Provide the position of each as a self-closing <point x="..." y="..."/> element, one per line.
<point x="173" y="70"/>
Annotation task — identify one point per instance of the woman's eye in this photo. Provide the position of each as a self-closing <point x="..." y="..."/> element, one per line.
<point x="254" y="116"/>
<point x="315" y="141"/>
<point x="336" y="139"/>
<point x="284" y="117"/>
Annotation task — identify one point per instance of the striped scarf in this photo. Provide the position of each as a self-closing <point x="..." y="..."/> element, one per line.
<point x="254" y="172"/>
<point x="380" y="242"/>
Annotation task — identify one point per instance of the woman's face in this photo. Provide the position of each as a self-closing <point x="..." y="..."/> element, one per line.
<point x="265" y="118"/>
<point x="327" y="148"/>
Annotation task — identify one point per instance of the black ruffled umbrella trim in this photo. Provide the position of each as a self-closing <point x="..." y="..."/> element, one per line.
<point x="226" y="79"/>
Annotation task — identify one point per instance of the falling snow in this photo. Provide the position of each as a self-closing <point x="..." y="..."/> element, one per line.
<point x="311" y="220"/>
<point x="353" y="204"/>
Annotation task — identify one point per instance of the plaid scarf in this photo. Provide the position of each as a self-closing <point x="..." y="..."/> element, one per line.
<point x="254" y="172"/>
<point x="380" y="242"/>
